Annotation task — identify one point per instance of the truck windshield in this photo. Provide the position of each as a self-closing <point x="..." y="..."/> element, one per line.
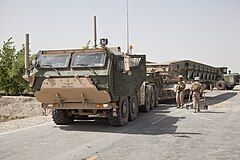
<point x="54" y="60"/>
<point x="88" y="60"/>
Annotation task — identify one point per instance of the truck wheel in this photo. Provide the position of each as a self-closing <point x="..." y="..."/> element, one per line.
<point x="82" y="117"/>
<point x="147" y="105"/>
<point x="133" y="108"/>
<point x="229" y="87"/>
<point x="61" y="117"/>
<point x="122" y="114"/>
<point x="152" y="104"/>
<point x="221" y="85"/>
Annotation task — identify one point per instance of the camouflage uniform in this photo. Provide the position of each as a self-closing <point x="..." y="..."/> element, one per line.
<point x="179" y="93"/>
<point x="196" y="90"/>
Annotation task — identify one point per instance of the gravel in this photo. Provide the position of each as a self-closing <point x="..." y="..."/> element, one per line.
<point x="18" y="112"/>
<point x="19" y="106"/>
<point x="23" y="123"/>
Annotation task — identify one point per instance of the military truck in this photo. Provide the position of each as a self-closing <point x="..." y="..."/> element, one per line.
<point x="229" y="81"/>
<point x="78" y="83"/>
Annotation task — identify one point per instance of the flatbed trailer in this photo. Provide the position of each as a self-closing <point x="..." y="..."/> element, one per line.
<point x="170" y="71"/>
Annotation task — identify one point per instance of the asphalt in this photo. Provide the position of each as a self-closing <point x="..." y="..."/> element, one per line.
<point x="163" y="133"/>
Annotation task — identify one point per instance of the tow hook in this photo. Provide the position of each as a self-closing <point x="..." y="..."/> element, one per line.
<point x="60" y="101"/>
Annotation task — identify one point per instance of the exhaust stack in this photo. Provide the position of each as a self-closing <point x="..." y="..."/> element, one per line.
<point x="27" y="73"/>
<point x="95" y="32"/>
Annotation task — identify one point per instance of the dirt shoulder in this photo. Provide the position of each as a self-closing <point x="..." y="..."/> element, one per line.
<point x="18" y="107"/>
<point x="23" y="123"/>
<point x="18" y="112"/>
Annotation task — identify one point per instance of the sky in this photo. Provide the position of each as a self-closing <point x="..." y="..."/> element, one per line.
<point x="206" y="31"/>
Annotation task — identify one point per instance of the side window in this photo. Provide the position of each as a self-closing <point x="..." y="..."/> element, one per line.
<point x="135" y="62"/>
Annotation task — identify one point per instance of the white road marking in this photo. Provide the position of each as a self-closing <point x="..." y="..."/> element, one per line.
<point x="156" y="121"/>
<point x="21" y="129"/>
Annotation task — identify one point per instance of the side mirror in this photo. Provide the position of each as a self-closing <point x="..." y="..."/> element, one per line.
<point x="34" y="62"/>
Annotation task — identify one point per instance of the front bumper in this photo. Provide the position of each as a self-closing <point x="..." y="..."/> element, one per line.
<point x="69" y="105"/>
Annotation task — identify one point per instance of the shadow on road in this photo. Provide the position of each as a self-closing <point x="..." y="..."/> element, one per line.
<point x="220" y="98"/>
<point x="204" y="111"/>
<point x="213" y="100"/>
<point x="156" y="122"/>
<point x="152" y="123"/>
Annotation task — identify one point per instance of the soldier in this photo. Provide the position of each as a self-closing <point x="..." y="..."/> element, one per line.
<point x="196" y="90"/>
<point x="179" y="92"/>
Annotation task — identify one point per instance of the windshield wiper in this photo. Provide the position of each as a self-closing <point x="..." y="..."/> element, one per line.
<point x="85" y="65"/>
<point x="51" y="66"/>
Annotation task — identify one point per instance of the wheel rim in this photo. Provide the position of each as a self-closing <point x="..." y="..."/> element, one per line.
<point x="133" y="105"/>
<point x="124" y="109"/>
<point x="152" y="100"/>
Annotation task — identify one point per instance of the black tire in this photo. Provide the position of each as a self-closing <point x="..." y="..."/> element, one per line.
<point x="82" y="117"/>
<point x="122" y="114"/>
<point x="61" y="117"/>
<point x="230" y="87"/>
<point x="152" y="100"/>
<point x="221" y="85"/>
<point x="133" y="108"/>
<point x="147" y="105"/>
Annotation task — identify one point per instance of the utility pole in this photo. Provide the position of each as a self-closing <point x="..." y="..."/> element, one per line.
<point x="95" y="32"/>
<point x="127" y="30"/>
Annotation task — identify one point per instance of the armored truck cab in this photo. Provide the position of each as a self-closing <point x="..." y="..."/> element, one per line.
<point x="77" y="83"/>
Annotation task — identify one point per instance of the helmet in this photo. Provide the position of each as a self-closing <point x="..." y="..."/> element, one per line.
<point x="180" y="76"/>
<point x="196" y="79"/>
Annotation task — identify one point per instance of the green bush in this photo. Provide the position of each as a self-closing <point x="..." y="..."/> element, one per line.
<point x="12" y="69"/>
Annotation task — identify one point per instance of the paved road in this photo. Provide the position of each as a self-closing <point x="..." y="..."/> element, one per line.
<point x="163" y="133"/>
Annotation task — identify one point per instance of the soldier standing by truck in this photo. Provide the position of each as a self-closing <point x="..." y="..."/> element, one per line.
<point x="196" y="90"/>
<point x="180" y="92"/>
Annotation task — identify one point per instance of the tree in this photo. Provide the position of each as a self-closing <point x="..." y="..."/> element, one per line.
<point x="12" y="69"/>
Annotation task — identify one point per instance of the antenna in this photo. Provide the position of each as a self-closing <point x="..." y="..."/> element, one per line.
<point x="127" y="30"/>
<point x="95" y="32"/>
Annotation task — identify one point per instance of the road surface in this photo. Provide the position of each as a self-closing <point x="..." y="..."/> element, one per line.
<point x="163" y="133"/>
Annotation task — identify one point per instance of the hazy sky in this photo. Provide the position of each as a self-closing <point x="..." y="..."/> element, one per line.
<point x="207" y="31"/>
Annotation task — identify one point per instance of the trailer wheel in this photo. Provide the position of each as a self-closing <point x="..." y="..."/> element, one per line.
<point x="152" y="104"/>
<point x="133" y="108"/>
<point x="61" y="117"/>
<point x="147" y="105"/>
<point x="221" y="85"/>
<point x="122" y="114"/>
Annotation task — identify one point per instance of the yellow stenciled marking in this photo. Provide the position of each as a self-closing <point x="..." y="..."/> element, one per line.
<point x="98" y="105"/>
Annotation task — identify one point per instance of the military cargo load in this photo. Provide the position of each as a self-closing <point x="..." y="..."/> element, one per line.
<point x="210" y="76"/>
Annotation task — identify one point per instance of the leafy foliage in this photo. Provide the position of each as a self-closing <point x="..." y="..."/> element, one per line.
<point x="12" y="69"/>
